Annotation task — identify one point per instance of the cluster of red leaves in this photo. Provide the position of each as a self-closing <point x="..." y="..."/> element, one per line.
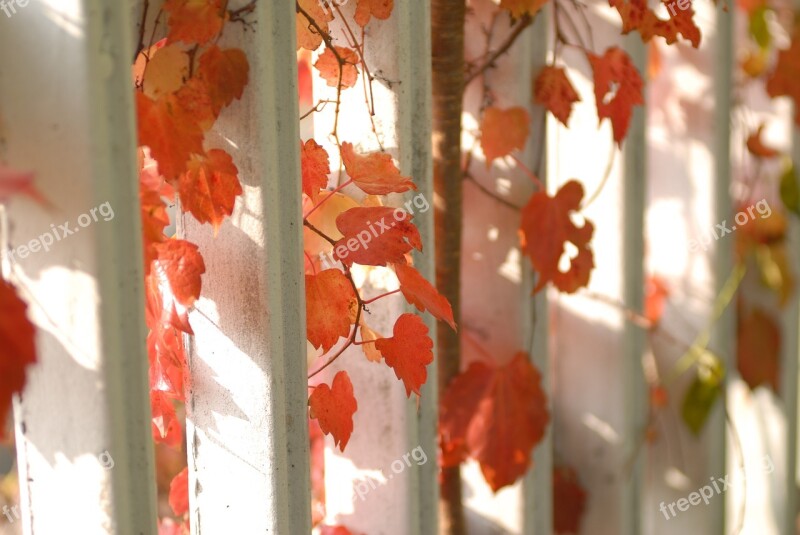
<point x="637" y="15"/>
<point x="182" y="84"/>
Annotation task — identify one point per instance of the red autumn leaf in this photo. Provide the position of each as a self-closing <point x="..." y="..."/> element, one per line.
<point x="569" y="501"/>
<point x="380" y="9"/>
<point x="170" y="131"/>
<point x="179" y="493"/>
<point x="173" y="284"/>
<point x="408" y="352"/>
<point x="518" y="8"/>
<point x="375" y="236"/>
<point x="333" y="407"/>
<point x="225" y="73"/>
<point x="305" y="89"/>
<point x="617" y="89"/>
<point x="547" y="227"/>
<point x="656" y="293"/>
<point x="209" y="187"/>
<point x="328" y="66"/>
<point x="637" y="15"/>
<point x="194" y="21"/>
<point x="193" y="97"/>
<point x="316" y="167"/>
<point x="503" y="131"/>
<point x="758" y="349"/>
<point x="335" y="530"/>
<point x="496" y="416"/>
<point x="375" y="173"/>
<point x="757" y="147"/>
<point x="331" y="308"/>
<point x="17" y="347"/>
<point x="308" y="36"/>
<point x="154" y="220"/>
<point x="166" y="429"/>
<point x="422" y="294"/>
<point x="168" y="369"/>
<point x="554" y="91"/>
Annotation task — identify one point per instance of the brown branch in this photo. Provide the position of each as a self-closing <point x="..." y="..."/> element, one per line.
<point x="523" y="23"/>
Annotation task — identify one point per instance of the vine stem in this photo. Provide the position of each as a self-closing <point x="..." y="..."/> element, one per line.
<point x="387" y="294"/>
<point x="523" y="23"/>
<point x="320" y="203"/>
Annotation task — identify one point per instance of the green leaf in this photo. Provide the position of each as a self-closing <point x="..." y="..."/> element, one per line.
<point x="703" y="392"/>
<point x="759" y="28"/>
<point x="790" y="190"/>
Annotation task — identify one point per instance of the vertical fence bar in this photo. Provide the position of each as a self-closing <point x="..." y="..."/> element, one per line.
<point x="724" y="331"/>
<point x="83" y="423"/>
<point x="247" y="406"/>
<point x="633" y="343"/>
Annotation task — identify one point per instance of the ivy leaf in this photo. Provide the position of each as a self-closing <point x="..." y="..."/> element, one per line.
<point x="374" y="173"/>
<point x="496" y="416"/>
<point x="547" y="227"/>
<point x="174" y="283"/>
<point x="617" y="89"/>
<point x="703" y="392"/>
<point x="554" y="91"/>
<point x="502" y="131"/>
<point x="368" y="335"/>
<point x="166" y="429"/>
<point x="637" y="15"/>
<point x="307" y="36"/>
<point x="408" y="352"/>
<point x="334" y="407"/>
<point x="569" y="500"/>
<point x="422" y="294"/>
<point x="374" y="236"/>
<point x="758" y="349"/>
<point x="209" y="187"/>
<point x="225" y="73"/>
<point x="166" y="71"/>
<point x="17" y="347"/>
<point x="380" y="9"/>
<point x="757" y="148"/>
<point x="194" y="21"/>
<point x="316" y="167"/>
<point x="328" y="67"/>
<point x="785" y="79"/>
<point x="518" y="8"/>
<point x="154" y="220"/>
<point x="332" y="307"/>
<point x="179" y="493"/>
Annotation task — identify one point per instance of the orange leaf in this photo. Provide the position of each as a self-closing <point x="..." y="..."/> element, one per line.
<point x="194" y="21"/>
<point x="174" y="283"/>
<point x="307" y="36"/>
<point x="757" y="147"/>
<point x="166" y="71"/>
<point x="422" y="294"/>
<point x="637" y="15"/>
<point x="328" y="66"/>
<point x="569" y="501"/>
<point x="375" y="173"/>
<point x="502" y="131"/>
<point x="154" y="220"/>
<point x="315" y="166"/>
<point x="334" y="408"/>
<point x="170" y="131"/>
<point x="332" y="307"/>
<point x="209" y="187"/>
<point x="17" y="347"/>
<point x="758" y="349"/>
<point x="380" y="9"/>
<point x="166" y="429"/>
<point x="368" y="335"/>
<point x="194" y="99"/>
<point x="518" y="8"/>
<point x="225" y="73"/>
<point x="496" y="416"/>
<point x="408" y="352"/>
<point x="375" y="236"/>
<point x="656" y="293"/>
<point x="179" y="493"/>
<point x="617" y="88"/>
<point x="546" y="227"/>
<point x="554" y="91"/>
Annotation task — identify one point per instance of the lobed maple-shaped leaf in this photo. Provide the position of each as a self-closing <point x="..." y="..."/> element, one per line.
<point x="554" y="91"/>
<point x="179" y="493"/>
<point x="166" y="71"/>
<point x="209" y="187"/>
<point x="374" y="173"/>
<point x="757" y="148"/>
<point x="333" y="407"/>
<point x="366" y="9"/>
<point x="615" y="70"/>
<point x="569" y="500"/>
<point x="423" y="295"/>
<point x="194" y="21"/>
<point x="758" y="349"/>
<point x="408" y="352"/>
<point x="166" y="429"/>
<point x="225" y="73"/>
<point x="637" y="15"/>
<point x="170" y="131"/>
<point x="495" y="416"/>
<point x="328" y="66"/>
<point x="331" y="308"/>
<point x="503" y="131"/>
<point x="17" y="347"/>
<point x="173" y="284"/>
<point x="547" y="227"/>
<point x="308" y="36"/>
<point x="518" y="8"/>
<point x="316" y="167"/>
<point x="375" y="236"/>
